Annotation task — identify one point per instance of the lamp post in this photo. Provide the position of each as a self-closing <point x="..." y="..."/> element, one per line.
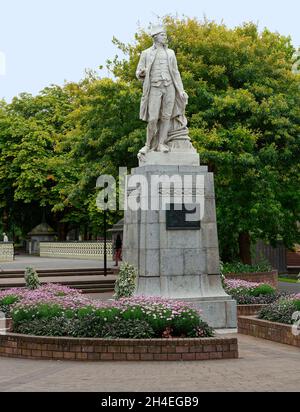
<point x="105" y="251"/>
<point x="104" y="224"/>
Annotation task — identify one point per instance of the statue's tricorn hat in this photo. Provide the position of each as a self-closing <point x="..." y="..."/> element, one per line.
<point x="156" y="30"/>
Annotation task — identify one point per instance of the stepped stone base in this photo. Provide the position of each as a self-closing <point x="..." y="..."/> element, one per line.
<point x="178" y="263"/>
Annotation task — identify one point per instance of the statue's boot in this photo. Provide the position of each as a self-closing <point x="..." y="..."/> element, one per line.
<point x="163" y="148"/>
<point x="145" y="150"/>
<point x="163" y="135"/>
<point x="151" y="132"/>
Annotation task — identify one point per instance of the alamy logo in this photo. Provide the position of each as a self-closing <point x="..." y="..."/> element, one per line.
<point x="2" y="64"/>
<point x="159" y="192"/>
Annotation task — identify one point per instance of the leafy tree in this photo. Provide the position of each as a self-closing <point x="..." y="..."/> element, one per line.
<point x="29" y="167"/>
<point x="244" y="116"/>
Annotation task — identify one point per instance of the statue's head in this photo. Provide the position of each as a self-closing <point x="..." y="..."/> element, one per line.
<point x="159" y="35"/>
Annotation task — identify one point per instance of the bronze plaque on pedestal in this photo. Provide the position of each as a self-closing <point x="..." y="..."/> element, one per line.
<point x="183" y="217"/>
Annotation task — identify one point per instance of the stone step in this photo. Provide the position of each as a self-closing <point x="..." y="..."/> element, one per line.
<point x="19" y="275"/>
<point x="85" y="286"/>
<point x="90" y="280"/>
<point x="57" y="272"/>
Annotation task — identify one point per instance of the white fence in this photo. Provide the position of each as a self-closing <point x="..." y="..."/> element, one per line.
<point x="76" y="250"/>
<point x="6" y="251"/>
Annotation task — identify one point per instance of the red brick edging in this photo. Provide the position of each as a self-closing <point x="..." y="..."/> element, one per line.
<point x="277" y="332"/>
<point x="249" y="310"/>
<point x="261" y="277"/>
<point x="55" y="348"/>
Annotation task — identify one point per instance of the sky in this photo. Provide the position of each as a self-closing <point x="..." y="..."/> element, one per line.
<point x="45" y="42"/>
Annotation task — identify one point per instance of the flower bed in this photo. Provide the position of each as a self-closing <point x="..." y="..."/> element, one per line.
<point x="251" y="297"/>
<point x="69" y="326"/>
<point x="251" y="293"/>
<point x="278" y="321"/>
<point x="53" y="310"/>
<point x="282" y="311"/>
<point x="270" y="278"/>
<point x="53" y="293"/>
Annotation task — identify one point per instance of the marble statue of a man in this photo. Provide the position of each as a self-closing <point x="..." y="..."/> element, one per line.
<point x="164" y="99"/>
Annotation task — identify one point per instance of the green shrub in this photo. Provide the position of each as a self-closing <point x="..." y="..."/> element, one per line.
<point x="9" y="300"/>
<point x="128" y="329"/>
<point x="134" y="312"/>
<point x="108" y="314"/>
<point x="31" y="278"/>
<point x="95" y="326"/>
<point x="257" y="300"/>
<point x="186" y="323"/>
<point x="90" y="326"/>
<point x="132" y="323"/>
<point x="57" y="326"/>
<point x="297" y="304"/>
<point x="40" y="311"/>
<point x="239" y="267"/>
<point x="126" y="281"/>
<point x="159" y="323"/>
<point x="262" y="290"/>
<point x="86" y="311"/>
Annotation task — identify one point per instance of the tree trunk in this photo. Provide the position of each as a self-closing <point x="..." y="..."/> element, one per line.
<point x="85" y="235"/>
<point x="245" y="248"/>
<point x="5" y="221"/>
<point x="62" y="231"/>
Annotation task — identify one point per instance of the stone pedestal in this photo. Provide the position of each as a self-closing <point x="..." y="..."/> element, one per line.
<point x="180" y="263"/>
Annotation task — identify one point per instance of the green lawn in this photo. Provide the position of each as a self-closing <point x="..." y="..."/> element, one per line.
<point x="287" y="280"/>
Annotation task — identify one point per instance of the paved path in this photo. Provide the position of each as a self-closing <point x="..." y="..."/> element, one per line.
<point x="289" y="287"/>
<point x="22" y="261"/>
<point x="263" y="366"/>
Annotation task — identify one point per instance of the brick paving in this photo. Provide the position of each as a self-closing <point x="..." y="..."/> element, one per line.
<point x="263" y="366"/>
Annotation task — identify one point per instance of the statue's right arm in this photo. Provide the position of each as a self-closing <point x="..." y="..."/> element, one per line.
<point x="141" y="69"/>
